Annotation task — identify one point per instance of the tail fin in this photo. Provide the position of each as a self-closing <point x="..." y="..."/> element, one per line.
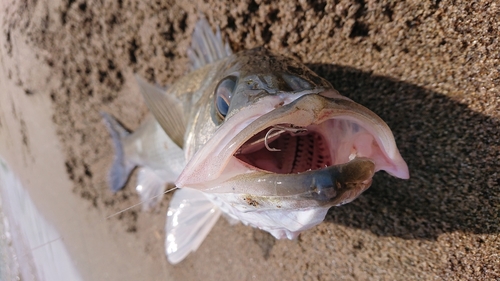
<point x="120" y="171"/>
<point x="206" y="47"/>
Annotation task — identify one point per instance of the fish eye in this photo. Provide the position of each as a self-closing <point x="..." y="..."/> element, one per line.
<point x="223" y="95"/>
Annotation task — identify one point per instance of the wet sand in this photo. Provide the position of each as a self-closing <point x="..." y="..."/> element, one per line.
<point x="431" y="70"/>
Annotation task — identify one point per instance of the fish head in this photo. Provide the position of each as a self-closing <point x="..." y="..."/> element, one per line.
<point x="251" y="75"/>
<point x="277" y="146"/>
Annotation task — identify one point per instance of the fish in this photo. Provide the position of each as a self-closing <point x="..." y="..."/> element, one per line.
<point x="255" y="136"/>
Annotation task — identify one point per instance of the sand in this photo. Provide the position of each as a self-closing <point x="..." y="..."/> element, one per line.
<point x="430" y="69"/>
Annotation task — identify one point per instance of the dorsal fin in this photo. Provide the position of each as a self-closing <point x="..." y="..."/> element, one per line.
<point x="167" y="109"/>
<point x="206" y="47"/>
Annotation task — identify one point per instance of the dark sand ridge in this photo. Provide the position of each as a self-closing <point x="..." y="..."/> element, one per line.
<point x="431" y="70"/>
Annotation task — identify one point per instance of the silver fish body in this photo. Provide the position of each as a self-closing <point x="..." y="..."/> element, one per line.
<point x="266" y="141"/>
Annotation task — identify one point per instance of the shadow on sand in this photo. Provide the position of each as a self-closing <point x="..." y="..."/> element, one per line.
<point x="453" y="154"/>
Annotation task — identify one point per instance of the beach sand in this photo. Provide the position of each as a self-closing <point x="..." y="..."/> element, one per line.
<point x="430" y="69"/>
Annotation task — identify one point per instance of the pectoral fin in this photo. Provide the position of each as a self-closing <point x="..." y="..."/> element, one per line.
<point x="167" y="110"/>
<point x="190" y="218"/>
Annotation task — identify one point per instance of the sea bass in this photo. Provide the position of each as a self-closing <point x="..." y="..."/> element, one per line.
<point x="254" y="135"/>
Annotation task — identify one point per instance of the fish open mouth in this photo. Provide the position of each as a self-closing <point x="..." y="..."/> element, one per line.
<point x="311" y="143"/>
<point x="282" y="151"/>
<point x="331" y="161"/>
<point x="289" y="149"/>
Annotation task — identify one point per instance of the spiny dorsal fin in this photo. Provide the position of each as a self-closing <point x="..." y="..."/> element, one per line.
<point x="206" y="47"/>
<point x="167" y="110"/>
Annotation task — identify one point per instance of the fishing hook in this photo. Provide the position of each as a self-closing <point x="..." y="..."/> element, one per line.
<point x="280" y="130"/>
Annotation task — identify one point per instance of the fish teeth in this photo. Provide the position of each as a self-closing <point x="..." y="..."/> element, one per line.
<point x="354" y="154"/>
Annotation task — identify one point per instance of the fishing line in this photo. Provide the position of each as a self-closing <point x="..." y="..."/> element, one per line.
<point x="142" y="202"/>
<point x="46" y="243"/>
